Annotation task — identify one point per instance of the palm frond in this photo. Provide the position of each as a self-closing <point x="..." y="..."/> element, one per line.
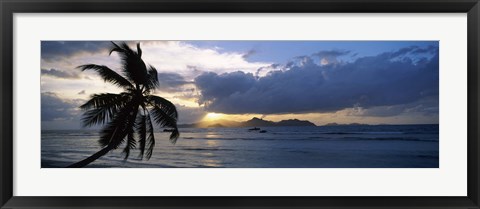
<point x="139" y="50"/>
<point x="99" y="100"/>
<point x="151" y="137"/>
<point x="174" y="135"/>
<point x="132" y="64"/>
<point x="152" y="79"/>
<point x="161" y="118"/>
<point x="108" y="75"/>
<point x="165" y="105"/>
<point x="114" y="133"/>
<point x="165" y="114"/>
<point x="131" y="142"/>
<point x="102" y="107"/>
<point x="96" y="117"/>
<point x="142" y="133"/>
<point x="115" y="48"/>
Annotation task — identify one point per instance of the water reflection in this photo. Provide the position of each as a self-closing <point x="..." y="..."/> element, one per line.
<point x="211" y="163"/>
<point x="212" y="143"/>
<point x="211" y="135"/>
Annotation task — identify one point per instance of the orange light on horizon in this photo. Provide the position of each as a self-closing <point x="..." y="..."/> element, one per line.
<point x="211" y="116"/>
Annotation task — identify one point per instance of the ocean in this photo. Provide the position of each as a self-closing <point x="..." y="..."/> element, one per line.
<point x="356" y="146"/>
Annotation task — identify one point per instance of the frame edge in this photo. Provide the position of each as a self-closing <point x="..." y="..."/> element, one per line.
<point x="473" y="21"/>
<point x="6" y="115"/>
<point x="6" y="93"/>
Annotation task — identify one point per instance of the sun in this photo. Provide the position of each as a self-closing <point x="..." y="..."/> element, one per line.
<point x="213" y="116"/>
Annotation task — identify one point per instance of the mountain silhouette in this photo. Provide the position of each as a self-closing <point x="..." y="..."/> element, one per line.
<point x="254" y="122"/>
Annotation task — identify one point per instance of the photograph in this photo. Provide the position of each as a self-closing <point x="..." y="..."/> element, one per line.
<point x="239" y="104"/>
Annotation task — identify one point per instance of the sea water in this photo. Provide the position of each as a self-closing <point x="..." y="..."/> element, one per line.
<point x="359" y="146"/>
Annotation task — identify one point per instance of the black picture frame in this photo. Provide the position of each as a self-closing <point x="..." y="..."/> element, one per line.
<point x="10" y="7"/>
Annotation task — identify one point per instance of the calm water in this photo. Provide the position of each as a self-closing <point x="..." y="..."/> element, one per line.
<point x="382" y="146"/>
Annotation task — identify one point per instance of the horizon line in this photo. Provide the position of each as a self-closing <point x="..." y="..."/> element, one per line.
<point x="352" y="124"/>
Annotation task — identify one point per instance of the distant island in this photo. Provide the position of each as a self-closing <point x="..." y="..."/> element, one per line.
<point x="254" y="122"/>
<point x="348" y="124"/>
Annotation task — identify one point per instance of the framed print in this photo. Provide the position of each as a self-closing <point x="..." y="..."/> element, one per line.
<point x="266" y="104"/>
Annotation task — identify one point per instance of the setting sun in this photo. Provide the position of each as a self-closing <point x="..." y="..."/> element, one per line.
<point x="213" y="116"/>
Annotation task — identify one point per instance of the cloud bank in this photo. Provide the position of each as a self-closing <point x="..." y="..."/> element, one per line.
<point x="60" y="74"/>
<point x="310" y="84"/>
<point x="52" y="50"/>
<point x="56" y="108"/>
<point x="171" y="81"/>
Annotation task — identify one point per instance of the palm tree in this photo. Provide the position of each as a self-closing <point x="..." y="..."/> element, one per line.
<point x="129" y="115"/>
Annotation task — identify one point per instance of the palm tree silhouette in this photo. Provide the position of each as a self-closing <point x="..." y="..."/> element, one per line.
<point x="129" y="114"/>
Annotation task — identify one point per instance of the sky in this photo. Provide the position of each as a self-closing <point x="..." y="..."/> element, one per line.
<point x="371" y="82"/>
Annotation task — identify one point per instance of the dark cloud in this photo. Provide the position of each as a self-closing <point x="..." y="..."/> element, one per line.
<point x="60" y="74"/>
<point x="302" y="86"/>
<point x="171" y="81"/>
<point x="216" y="87"/>
<point x="60" y="49"/>
<point x="331" y="53"/>
<point x="55" y="108"/>
<point x="303" y="61"/>
<point x="425" y="107"/>
<point x="249" y="53"/>
<point x="330" y="56"/>
<point x="270" y="67"/>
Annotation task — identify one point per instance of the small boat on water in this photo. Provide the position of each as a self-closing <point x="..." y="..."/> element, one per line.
<point x="254" y="129"/>
<point x="263" y="131"/>
<point x="168" y="130"/>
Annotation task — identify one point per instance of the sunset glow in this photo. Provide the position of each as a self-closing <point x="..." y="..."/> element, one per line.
<point x="211" y="116"/>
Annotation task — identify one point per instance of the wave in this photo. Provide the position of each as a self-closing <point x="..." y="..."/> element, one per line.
<point x="370" y="132"/>
<point x="390" y="139"/>
<point x="206" y="149"/>
<point x="351" y="133"/>
<point x="322" y="138"/>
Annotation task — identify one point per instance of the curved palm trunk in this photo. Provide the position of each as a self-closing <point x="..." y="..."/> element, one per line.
<point x="103" y="151"/>
<point x="92" y="158"/>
